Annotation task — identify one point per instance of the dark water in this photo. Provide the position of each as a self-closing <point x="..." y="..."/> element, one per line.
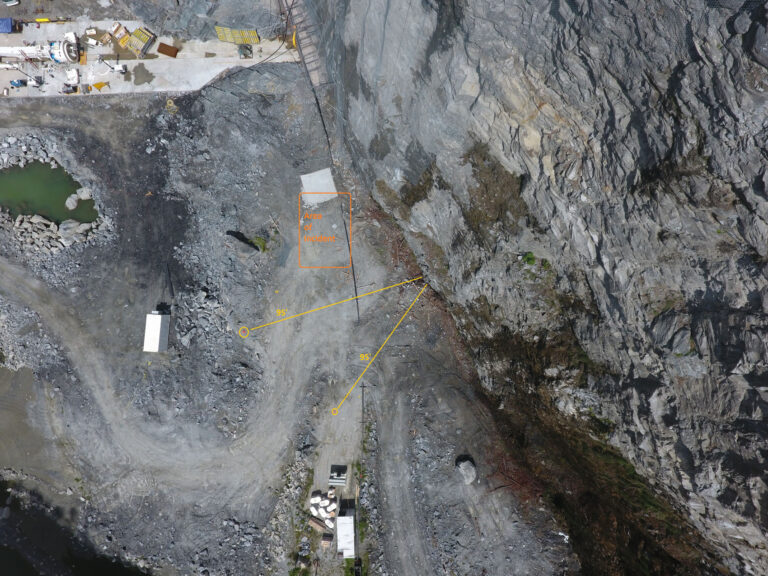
<point x="33" y="543"/>
<point x="14" y="564"/>
<point x="39" y="189"/>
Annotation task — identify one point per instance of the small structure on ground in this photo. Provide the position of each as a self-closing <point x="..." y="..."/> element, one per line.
<point x="167" y="50"/>
<point x="323" y="508"/>
<point x="345" y="536"/>
<point x="338" y="475"/>
<point x="140" y="41"/>
<point x="317" y="524"/>
<point x="316" y="182"/>
<point x="156" y="332"/>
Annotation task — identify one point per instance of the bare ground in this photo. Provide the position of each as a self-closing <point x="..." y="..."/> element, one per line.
<point x="182" y="458"/>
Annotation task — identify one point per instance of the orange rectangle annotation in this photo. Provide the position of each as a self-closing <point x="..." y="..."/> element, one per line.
<point x="309" y="216"/>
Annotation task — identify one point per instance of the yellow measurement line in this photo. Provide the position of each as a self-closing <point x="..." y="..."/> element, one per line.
<point x="329" y="305"/>
<point x="335" y="411"/>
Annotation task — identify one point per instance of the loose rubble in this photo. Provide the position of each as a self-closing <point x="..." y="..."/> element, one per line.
<point x="32" y="236"/>
<point x="23" y="342"/>
<point x="37" y="234"/>
<point x="20" y="150"/>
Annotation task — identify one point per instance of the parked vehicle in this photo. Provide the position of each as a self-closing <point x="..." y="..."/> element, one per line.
<point x="10" y="2"/>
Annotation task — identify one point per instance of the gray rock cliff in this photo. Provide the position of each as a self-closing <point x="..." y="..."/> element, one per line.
<point x="598" y="169"/>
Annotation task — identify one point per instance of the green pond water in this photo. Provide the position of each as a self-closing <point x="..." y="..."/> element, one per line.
<point x="39" y="189"/>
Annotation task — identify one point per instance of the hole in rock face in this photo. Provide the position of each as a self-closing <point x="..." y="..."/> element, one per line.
<point x="464" y="458"/>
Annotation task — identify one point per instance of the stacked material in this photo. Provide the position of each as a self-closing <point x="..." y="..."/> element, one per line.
<point x="338" y="472"/>
<point x="323" y="507"/>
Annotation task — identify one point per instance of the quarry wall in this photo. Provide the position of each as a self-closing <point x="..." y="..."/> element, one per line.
<point x="585" y="184"/>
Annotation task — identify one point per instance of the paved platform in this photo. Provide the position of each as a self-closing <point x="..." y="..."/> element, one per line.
<point x="197" y="63"/>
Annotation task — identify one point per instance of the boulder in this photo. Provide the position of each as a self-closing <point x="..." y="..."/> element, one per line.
<point x="71" y="202"/>
<point x="68" y="228"/>
<point x="84" y="194"/>
<point x="466" y="468"/>
<point x="37" y="219"/>
<point x="742" y="23"/>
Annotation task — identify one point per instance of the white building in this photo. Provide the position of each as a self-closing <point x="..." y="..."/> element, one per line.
<point x="156" y="332"/>
<point x="345" y="536"/>
<point x="313" y="184"/>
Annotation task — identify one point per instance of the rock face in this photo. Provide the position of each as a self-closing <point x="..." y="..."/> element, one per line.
<point x="638" y="223"/>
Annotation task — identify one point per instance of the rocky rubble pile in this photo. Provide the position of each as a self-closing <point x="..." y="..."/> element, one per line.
<point x="369" y="500"/>
<point x="34" y="235"/>
<point x="275" y="532"/>
<point x="198" y="315"/>
<point x="21" y="150"/>
<point x="37" y="234"/>
<point x="22" y="341"/>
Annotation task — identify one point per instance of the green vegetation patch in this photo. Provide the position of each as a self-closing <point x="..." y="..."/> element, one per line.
<point x="529" y="258"/>
<point x="259" y="243"/>
<point x="349" y="566"/>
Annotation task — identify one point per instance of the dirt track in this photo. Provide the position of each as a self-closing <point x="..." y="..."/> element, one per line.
<point x="171" y="452"/>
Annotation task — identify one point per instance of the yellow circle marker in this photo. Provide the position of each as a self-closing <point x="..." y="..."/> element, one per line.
<point x="335" y="411"/>
<point x="277" y="291"/>
<point x="243" y="332"/>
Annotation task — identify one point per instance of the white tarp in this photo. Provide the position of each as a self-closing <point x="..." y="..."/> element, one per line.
<point x="345" y="536"/>
<point x="156" y="332"/>
<point x="320" y="181"/>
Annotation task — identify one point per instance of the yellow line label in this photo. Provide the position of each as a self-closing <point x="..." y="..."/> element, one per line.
<point x="329" y="305"/>
<point x="335" y="411"/>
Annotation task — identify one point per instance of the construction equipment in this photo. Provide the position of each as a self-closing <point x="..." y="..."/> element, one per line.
<point x="140" y="41"/>
<point x="170" y="106"/>
<point x="120" y="68"/>
<point x="237" y="36"/>
<point x="245" y="51"/>
<point x="28" y="59"/>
